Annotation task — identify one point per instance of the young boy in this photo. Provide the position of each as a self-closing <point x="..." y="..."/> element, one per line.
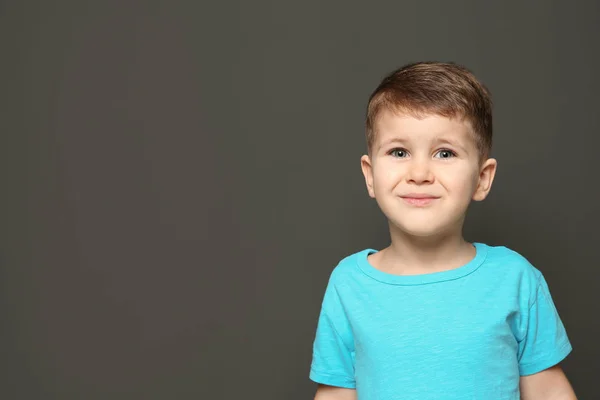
<point x="433" y="316"/>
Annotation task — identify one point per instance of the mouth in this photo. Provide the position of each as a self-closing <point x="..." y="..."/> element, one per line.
<point x="419" y="200"/>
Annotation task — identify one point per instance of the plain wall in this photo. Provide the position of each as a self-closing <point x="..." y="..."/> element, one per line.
<point x="179" y="179"/>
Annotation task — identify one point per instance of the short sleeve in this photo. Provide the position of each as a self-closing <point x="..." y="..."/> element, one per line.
<point x="333" y="350"/>
<point x="545" y="343"/>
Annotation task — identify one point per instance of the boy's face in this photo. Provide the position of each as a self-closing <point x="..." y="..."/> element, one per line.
<point x="425" y="172"/>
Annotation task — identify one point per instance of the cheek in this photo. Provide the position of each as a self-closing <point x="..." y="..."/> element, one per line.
<point x="386" y="178"/>
<point x="462" y="181"/>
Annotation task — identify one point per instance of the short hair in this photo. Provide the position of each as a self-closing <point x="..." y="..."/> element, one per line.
<point x="439" y="88"/>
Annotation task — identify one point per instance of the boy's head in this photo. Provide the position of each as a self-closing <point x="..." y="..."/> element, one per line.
<point x="429" y="134"/>
<point x="434" y="88"/>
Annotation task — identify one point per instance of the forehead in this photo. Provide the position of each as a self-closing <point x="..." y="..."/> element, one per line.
<point x="403" y="126"/>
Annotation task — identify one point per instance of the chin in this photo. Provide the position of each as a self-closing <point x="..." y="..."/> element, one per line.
<point x="421" y="233"/>
<point x="420" y="230"/>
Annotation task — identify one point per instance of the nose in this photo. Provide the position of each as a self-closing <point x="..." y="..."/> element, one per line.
<point x="419" y="172"/>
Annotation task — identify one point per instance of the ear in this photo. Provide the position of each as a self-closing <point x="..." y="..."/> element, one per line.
<point x="486" y="177"/>
<point x="367" y="169"/>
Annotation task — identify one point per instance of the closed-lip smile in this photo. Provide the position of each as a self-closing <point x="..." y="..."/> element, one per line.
<point x="419" y="199"/>
<point x="419" y="196"/>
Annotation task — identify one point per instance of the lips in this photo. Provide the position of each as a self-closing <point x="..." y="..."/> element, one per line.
<point x="419" y="196"/>
<point x="419" y="199"/>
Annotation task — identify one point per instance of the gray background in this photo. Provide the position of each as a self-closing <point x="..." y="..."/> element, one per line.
<point x="179" y="178"/>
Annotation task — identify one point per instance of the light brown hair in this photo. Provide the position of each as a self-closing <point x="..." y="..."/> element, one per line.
<point x="445" y="89"/>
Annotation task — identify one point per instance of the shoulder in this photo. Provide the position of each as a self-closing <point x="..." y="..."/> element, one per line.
<point x="506" y="263"/>
<point x="510" y="259"/>
<point x="349" y="265"/>
<point x="346" y="278"/>
<point x="345" y="282"/>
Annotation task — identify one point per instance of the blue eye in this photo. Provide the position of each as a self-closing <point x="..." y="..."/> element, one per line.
<point x="399" y="153"/>
<point x="445" y="153"/>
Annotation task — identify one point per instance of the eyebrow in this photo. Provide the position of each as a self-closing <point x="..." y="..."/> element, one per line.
<point x="438" y="140"/>
<point x="442" y="140"/>
<point x="391" y="141"/>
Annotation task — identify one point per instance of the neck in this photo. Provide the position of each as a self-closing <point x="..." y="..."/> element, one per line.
<point x="411" y="254"/>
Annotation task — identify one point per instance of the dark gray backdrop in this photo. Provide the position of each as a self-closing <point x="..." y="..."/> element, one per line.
<point x="179" y="179"/>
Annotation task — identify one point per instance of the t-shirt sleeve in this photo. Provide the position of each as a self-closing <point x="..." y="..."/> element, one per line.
<point x="545" y="343"/>
<point x="333" y="349"/>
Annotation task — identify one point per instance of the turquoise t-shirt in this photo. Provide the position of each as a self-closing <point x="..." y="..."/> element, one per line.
<point x="466" y="333"/>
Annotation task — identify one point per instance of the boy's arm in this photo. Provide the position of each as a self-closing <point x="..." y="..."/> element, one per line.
<point x="550" y="384"/>
<point x="325" y="392"/>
